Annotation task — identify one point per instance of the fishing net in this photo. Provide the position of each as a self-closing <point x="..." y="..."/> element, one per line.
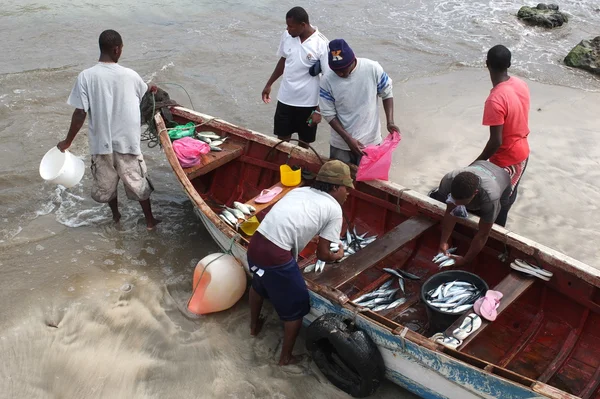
<point x="151" y="103"/>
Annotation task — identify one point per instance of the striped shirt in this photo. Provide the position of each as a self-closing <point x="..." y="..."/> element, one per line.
<point x="353" y="100"/>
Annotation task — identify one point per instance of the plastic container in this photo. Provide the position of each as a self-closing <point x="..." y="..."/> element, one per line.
<point x="249" y="226"/>
<point x="61" y="168"/>
<point x="290" y="177"/>
<point x="440" y="320"/>
<point x="220" y="286"/>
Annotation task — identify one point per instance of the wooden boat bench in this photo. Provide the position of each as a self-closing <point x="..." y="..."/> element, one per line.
<point x="213" y="160"/>
<point x="512" y="287"/>
<point x="284" y="191"/>
<point x="374" y="253"/>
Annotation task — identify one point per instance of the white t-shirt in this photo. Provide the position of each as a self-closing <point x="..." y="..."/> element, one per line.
<point x="298" y="88"/>
<point x="111" y="96"/>
<point x="299" y="216"/>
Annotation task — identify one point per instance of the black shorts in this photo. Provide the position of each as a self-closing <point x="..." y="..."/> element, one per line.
<point x="290" y="120"/>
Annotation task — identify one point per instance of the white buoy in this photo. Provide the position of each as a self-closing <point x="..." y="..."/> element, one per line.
<point x="219" y="282"/>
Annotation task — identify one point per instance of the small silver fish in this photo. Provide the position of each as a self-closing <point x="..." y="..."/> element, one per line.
<point x="386" y="293"/>
<point x="225" y="220"/>
<point x="386" y="285"/>
<point x="401" y="284"/>
<point x="229" y="216"/>
<point x="236" y="212"/>
<point x="309" y="268"/>
<point x="205" y="139"/>
<point x="380" y="308"/>
<point x="242" y="207"/>
<point x="348" y="237"/>
<point x="217" y="149"/>
<point x="320" y="266"/>
<point x="369" y="240"/>
<point x="365" y="297"/>
<point x="396" y="303"/>
<point x="251" y="208"/>
<point x="462" y="308"/>
<point x="448" y="262"/>
<point x="216" y="143"/>
<point x="435" y="258"/>
<point x="210" y="135"/>
<point x="441" y="259"/>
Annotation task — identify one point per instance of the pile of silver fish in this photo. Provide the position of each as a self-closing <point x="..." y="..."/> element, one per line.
<point x="212" y="139"/>
<point x="453" y="297"/>
<point x="383" y="298"/>
<point x="231" y="216"/>
<point x="444" y="260"/>
<point x="351" y="243"/>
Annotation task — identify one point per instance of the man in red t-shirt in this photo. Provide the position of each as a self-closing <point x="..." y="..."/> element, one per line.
<point x="506" y="112"/>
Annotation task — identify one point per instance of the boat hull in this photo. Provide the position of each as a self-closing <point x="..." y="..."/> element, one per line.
<point x="426" y="373"/>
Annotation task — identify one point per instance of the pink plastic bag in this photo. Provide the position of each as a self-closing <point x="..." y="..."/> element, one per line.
<point x="377" y="161"/>
<point x="189" y="150"/>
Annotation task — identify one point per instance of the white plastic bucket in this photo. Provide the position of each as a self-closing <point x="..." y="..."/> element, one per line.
<point x="61" y="168"/>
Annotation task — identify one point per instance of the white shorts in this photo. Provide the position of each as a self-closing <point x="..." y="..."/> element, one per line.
<point x="107" y="169"/>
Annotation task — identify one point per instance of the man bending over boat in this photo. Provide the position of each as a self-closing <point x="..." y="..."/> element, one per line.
<point x="506" y="112"/>
<point x="111" y="95"/>
<point x="273" y="250"/>
<point x="303" y="54"/>
<point x="484" y="189"/>
<point x="348" y="100"/>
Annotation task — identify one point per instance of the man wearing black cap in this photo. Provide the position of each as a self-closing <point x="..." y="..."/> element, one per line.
<point x="348" y="101"/>
<point x="288" y="227"/>
<point x="301" y="50"/>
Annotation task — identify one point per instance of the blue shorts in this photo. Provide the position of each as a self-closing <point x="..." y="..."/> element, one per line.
<point x="284" y="286"/>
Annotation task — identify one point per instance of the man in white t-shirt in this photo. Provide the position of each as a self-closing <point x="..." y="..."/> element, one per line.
<point x="284" y="232"/>
<point x="303" y="52"/>
<point x="349" y="102"/>
<point x="111" y="95"/>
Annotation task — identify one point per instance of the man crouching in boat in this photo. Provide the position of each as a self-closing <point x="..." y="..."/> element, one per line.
<point x="482" y="188"/>
<point x="284" y="232"/>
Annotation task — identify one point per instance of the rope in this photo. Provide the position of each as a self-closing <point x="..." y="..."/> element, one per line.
<point x="177" y="84"/>
<point x="150" y="134"/>
<point x="227" y="252"/>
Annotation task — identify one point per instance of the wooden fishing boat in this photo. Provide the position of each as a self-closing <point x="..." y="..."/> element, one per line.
<point x="545" y="341"/>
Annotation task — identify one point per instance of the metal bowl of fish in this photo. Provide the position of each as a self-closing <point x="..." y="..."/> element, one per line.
<point x="448" y="295"/>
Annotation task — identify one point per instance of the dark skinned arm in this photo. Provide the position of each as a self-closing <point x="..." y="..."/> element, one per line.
<point x="324" y="251"/>
<point x="478" y="241"/>
<point x="277" y="72"/>
<point x="448" y="224"/>
<point x="77" y="121"/>
<point x="493" y="143"/>
<point x="355" y="145"/>
<point x="388" y="108"/>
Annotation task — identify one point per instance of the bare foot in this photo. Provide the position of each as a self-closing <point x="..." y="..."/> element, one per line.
<point x="255" y="330"/>
<point x="117" y="217"/>
<point x="289" y="361"/>
<point x="152" y="224"/>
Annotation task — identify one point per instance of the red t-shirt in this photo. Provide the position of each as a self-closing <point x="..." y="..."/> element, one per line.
<point x="508" y="105"/>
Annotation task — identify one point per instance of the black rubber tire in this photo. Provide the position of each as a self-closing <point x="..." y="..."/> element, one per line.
<point x="345" y="355"/>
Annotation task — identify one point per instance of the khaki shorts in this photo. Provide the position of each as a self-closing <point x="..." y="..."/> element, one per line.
<point x="107" y="169"/>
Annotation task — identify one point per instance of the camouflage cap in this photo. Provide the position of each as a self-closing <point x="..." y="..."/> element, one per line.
<point x="335" y="172"/>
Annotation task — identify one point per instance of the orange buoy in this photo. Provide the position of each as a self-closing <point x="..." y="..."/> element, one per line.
<point x="219" y="282"/>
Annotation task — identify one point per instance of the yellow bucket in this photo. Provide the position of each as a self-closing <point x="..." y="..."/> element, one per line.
<point x="250" y="226"/>
<point x="290" y="177"/>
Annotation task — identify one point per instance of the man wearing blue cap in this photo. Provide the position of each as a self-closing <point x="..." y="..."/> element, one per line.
<point x="348" y="101"/>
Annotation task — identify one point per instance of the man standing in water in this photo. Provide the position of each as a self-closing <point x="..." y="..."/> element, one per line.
<point x="348" y="102"/>
<point x="111" y="95"/>
<point x="506" y="112"/>
<point x="302" y="50"/>
<point x="284" y="232"/>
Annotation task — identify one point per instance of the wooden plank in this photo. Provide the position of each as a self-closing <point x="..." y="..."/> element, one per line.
<point x="513" y="286"/>
<point x="284" y="191"/>
<point x="565" y="350"/>
<point x="592" y="385"/>
<point x="213" y="160"/>
<point x="523" y="340"/>
<point x="374" y="253"/>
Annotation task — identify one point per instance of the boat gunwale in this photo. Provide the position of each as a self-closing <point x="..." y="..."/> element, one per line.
<point x="423" y="202"/>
